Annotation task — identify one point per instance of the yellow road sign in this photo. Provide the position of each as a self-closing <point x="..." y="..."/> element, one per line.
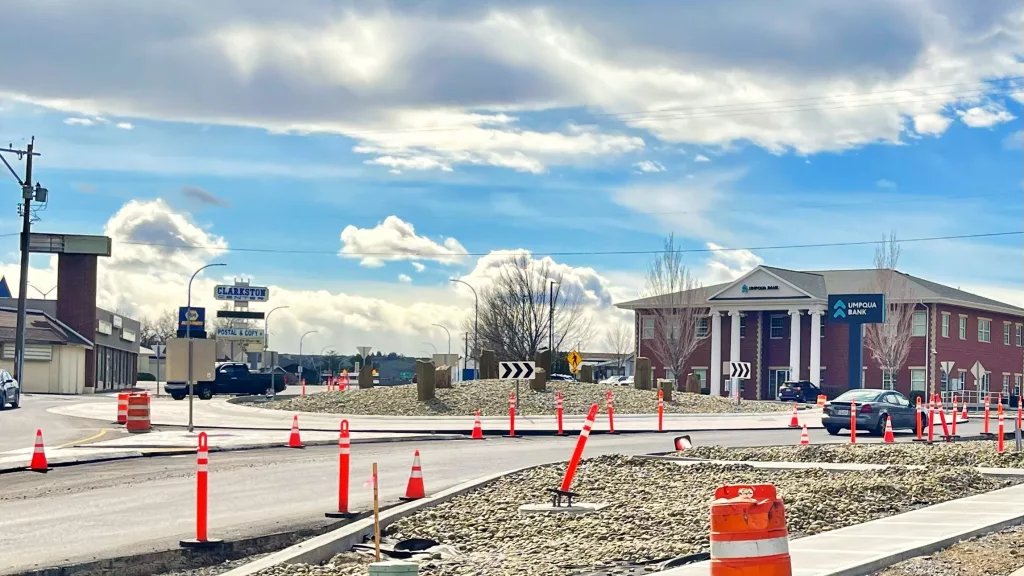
<point x="574" y="360"/>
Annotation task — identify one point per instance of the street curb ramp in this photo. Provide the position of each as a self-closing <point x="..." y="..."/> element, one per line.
<point x="322" y="548"/>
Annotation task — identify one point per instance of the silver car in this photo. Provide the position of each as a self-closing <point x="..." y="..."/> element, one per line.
<point x="10" y="390"/>
<point x="874" y="408"/>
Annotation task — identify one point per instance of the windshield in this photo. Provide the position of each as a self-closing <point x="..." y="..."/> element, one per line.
<point x="858" y="396"/>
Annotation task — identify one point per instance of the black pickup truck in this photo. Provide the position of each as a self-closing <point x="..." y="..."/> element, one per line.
<point x="230" y="378"/>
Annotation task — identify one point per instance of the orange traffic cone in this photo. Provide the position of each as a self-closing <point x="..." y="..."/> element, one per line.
<point x="963" y="414"/>
<point x="414" y="490"/>
<point x="478" y="433"/>
<point x="805" y="438"/>
<point x="683" y="443"/>
<point x="793" y="421"/>
<point x="889" y="438"/>
<point x="38" y="463"/>
<point x="293" y="439"/>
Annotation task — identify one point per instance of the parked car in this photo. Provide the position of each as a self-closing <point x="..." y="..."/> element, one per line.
<point x="802" y="391"/>
<point x="10" y="390"/>
<point x="874" y="407"/>
<point x="560" y="378"/>
<point x="625" y="380"/>
<point x="611" y="381"/>
<point x="230" y="378"/>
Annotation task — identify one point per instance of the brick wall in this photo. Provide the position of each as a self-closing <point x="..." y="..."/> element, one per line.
<point x="995" y="356"/>
<point x="76" y="305"/>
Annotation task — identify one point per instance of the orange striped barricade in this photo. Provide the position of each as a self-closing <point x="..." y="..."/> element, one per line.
<point x="748" y="532"/>
<point x="138" y="413"/>
<point x="122" y="407"/>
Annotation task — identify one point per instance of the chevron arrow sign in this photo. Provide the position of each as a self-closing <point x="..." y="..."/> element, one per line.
<point x="739" y="370"/>
<point x="515" y="370"/>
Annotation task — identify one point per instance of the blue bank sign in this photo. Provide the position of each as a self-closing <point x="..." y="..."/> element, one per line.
<point x="856" y="308"/>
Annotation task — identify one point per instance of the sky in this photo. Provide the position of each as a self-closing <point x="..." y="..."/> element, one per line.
<point x="356" y="156"/>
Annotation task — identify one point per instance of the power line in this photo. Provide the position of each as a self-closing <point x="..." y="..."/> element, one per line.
<point x="426" y="255"/>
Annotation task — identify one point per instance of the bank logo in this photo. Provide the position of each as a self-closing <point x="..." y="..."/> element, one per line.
<point x="839" y="309"/>
<point x="744" y="289"/>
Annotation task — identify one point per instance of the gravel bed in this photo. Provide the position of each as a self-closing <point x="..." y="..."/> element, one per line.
<point x="971" y="453"/>
<point x="490" y="397"/>
<point x="657" y="511"/>
<point x="997" y="554"/>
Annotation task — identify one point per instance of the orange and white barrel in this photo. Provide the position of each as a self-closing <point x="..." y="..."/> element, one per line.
<point x="748" y="532"/>
<point x="122" y="407"/>
<point x="138" y="413"/>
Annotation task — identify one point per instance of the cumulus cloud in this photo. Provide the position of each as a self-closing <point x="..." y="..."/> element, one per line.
<point x="728" y="265"/>
<point x="649" y="166"/>
<point x="395" y="239"/>
<point x="404" y="278"/>
<point x="150" y="232"/>
<point x="984" y="116"/>
<point x="432" y="81"/>
<point x="78" y="122"/>
<point x="418" y="266"/>
<point x="701" y="158"/>
<point x="1014" y="141"/>
<point x="124" y="125"/>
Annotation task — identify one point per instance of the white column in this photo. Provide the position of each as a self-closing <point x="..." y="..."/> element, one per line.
<point x="815" y="337"/>
<point x="794" y="345"/>
<point x="716" y="353"/>
<point x="734" y="341"/>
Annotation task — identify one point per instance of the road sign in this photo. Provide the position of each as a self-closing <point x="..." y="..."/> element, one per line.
<point x="978" y="371"/>
<point x="363" y="351"/>
<point x="241" y="334"/>
<point x="196" y="317"/>
<point x="947" y="366"/>
<point x="739" y="370"/>
<point x="856" y="308"/>
<point x="159" y="350"/>
<point x="574" y="360"/>
<point x="241" y="293"/>
<point x="515" y="370"/>
<point x="240" y="314"/>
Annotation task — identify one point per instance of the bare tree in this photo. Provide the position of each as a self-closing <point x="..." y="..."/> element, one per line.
<point x="158" y="330"/>
<point x="889" y="343"/>
<point x="679" y="308"/>
<point x="619" y="341"/>
<point x="516" y="311"/>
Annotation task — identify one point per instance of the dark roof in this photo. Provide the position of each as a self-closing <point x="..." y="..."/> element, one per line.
<point x="821" y="283"/>
<point x="41" y="328"/>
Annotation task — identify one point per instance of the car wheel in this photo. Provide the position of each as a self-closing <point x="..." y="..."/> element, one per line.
<point x="16" y="402"/>
<point x="880" y="427"/>
<point x="205" y="393"/>
<point x="832" y="430"/>
<point x="3" y="400"/>
<point x="178" y="396"/>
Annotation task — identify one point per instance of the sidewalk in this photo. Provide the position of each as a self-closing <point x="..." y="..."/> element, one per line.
<point x="218" y="412"/>
<point x="869" y="547"/>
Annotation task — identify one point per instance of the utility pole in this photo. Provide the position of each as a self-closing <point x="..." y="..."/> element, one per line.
<point x="551" y="318"/>
<point x="28" y="194"/>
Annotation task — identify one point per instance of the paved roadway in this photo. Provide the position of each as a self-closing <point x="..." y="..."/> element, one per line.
<point x="92" y="511"/>
<point x="18" y="427"/>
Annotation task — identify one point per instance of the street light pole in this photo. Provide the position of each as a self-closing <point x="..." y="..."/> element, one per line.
<point x="432" y="346"/>
<point x="266" y="350"/>
<point x="300" y="352"/>
<point x="449" y="336"/>
<point x="44" y="294"/>
<point x="476" y="325"/>
<point x="188" y="336"/>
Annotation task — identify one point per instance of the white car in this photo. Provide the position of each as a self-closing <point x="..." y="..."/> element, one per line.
<point x="10" y="390"/>
<point x="610" y="381"/>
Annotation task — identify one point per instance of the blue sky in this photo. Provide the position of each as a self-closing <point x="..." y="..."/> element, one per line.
<point x="562" y="147"/>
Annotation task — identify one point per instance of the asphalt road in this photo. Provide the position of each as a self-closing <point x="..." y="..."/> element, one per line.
<point x="18" y="427"/>
<point x="93" y="511"/>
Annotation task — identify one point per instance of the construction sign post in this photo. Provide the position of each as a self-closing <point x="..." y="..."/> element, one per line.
<point x="575" y="360"/>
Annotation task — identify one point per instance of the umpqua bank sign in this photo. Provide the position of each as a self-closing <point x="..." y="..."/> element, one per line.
<point x="748" y="288"/>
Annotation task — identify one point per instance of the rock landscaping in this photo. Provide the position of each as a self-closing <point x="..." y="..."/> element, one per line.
<point x="657" y="511"/>
<point x="996" y="554"/>
<point x="490" y="397"/>
<point x="972" y="453"/>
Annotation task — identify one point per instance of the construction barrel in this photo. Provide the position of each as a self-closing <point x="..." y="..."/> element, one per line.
<point x="748" y="532"/>
<point x="122" y="407"/>
<point x="138" y="413"/>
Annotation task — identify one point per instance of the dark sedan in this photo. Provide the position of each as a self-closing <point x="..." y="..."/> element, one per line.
<point x="873" y="407"/>
<point x="802" y="391"/>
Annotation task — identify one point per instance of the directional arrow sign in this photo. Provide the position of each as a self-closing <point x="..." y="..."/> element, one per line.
<point x="739" y="370"/>
<point x="515" y="370"/>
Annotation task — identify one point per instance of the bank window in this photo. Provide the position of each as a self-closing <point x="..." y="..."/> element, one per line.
<point x="777" y="328"/>
<point x="1006" y="333"/>
<point x="673" y="328"/>
<point x="984" y="330"/>
<point x="888" y="380"/>
<point x="1019" y="334"/>
<point x="945" y="324"/>
<point x="702" y="375"/>
<point x="920" y="323"/>
<point x="1006" y="382"/>
<point x="702" y="327"/>
<point x="822" y="330"/>
<point x="963" y="327"/>
<point x="1016" y="384"/>
<point x="963" y="379"/>
<point x="647" y="327"/>
<point x="984" y="387"/>
<point x="917" y="380"/>
<point x="743" y="326"/>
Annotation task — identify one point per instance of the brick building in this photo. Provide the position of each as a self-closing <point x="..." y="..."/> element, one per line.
<point x="775" y="319"/>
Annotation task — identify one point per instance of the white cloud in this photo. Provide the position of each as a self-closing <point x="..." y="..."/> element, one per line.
<point x="404" y="278"/>
<point x="78" y="122"/>
<point x="728" y="265"/>
<point x="883" y="183"/>
<point x="410" y="163"/>
<point x="649" y="166"/>
<point x="1014" y="141"/>
<point x="701" y="158"/>
<point x="394" y="239"/>
<point x="984" y="116"/>
<point x="437" y="81"/>
<point x="124" y="125"/>
<point x="418" y="266"/>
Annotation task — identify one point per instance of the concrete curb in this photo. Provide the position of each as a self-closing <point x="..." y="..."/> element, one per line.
<point x="332" y="442"/>
<point x="569" y="429"/>
<point x="325" y="547"/>
<point x="835" y="466"/>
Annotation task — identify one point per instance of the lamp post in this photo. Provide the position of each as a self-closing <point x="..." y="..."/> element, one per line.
<point x="44" y="294"/>
<point x="449" y="336"/>
<point x="188" y="336"/>
<point x="322" y="350"/>
<point x="432" y="346"/>
<point x="266" y="350"/>
<point x="476" y="325"/>
<point x="300" y="351"/>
